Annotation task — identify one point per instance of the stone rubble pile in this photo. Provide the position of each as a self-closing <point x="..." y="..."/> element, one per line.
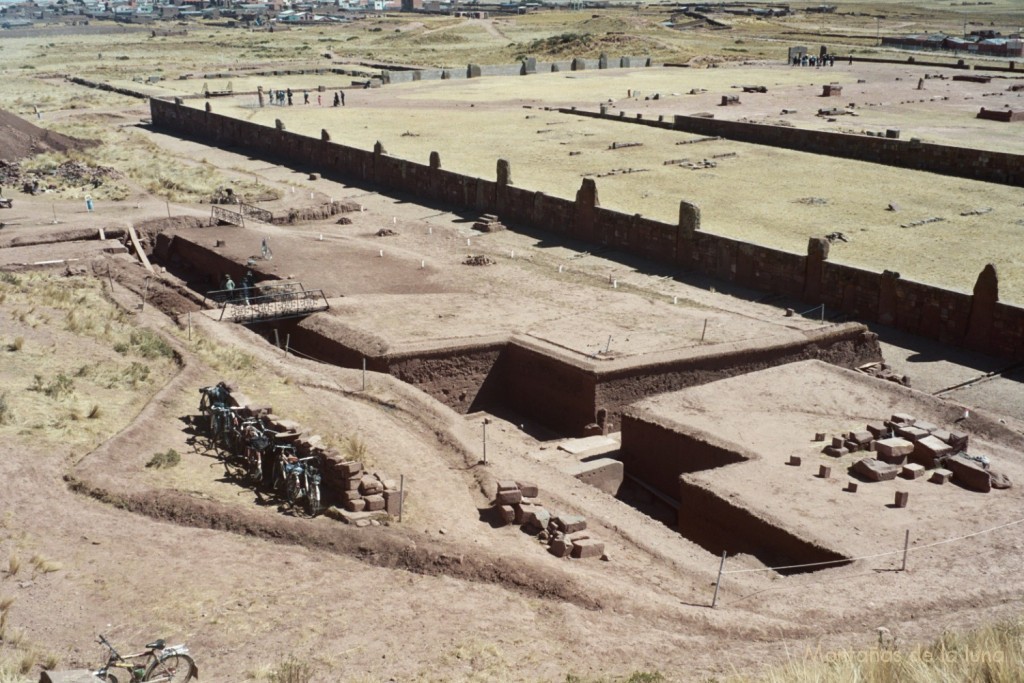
<point x="565" y="535"/>
<point x="913" y="448"/>
<point x="358" y="490"/>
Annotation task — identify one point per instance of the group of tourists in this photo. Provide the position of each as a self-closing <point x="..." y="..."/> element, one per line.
<point x="239" y="293"/>
<point x="810" y="60"/>
<point x="286" y="97"/>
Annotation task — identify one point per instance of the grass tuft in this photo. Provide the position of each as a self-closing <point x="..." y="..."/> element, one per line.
<point x="17" y="344"/>
<point x="292" y="670"/>
<point x="13" y="565"/>
<point x="161" y="461"/>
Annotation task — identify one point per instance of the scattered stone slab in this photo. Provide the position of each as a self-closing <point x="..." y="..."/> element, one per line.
<point x="901" y="499"/>
<point x="893" y="451"/>
<point x="536" y="518"/>
<point x="393" y="502"/>
<point x="1000" y="480"/>
<point x="912" y="433"/>
<point x="507" y="514"/>
<point x="912" y="471"/>
<point x="587" y="548"/>
<point x="374" y="502"/>
<point x="876" y="470"/>
<point x="528" y="489"/>
<point x="581" y="446"/>
<point x="569" y="524"/>
<point x="510" y="497"/>
<point x="930" y="451"/>
<point x="357" y="518"/>
<point x="862" y="438"/>
<point x="940" y="476"/>
<point x="560" y="547"/>
<point x="969" y="473"/>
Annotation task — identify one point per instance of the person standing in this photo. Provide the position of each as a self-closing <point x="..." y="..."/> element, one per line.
<point x="289" y="97"/>
<point x="341" y="94"/>
<point x="336" y="99"/>
<point x="305" y="97"/>
<point x="88" y="203"/>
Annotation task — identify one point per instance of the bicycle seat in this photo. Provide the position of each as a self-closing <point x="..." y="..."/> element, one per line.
<point x="156" y="645"/>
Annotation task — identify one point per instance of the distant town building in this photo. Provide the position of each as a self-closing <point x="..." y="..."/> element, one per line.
<point x="989" y="43"/>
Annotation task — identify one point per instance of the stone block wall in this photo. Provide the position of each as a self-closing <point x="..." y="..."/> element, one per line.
<point x="921" y="309"/>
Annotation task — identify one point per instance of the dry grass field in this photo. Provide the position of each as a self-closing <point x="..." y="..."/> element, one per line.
<point x="473" y="123"/>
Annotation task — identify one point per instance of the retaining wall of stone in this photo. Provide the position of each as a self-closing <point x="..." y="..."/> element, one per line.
<point x="979" y="322"/>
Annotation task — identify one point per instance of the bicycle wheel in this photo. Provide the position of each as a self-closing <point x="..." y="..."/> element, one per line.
<point x="177" y="668"/>
<point x="255" y="467"/>
<point x="293" y="490"/>
<point x="313" y="499"/>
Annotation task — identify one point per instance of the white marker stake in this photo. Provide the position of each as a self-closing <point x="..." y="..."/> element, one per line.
<point x="675" y="300"/>
<point x="615" y="284"/>
<point x="321" y="237"/>
<point x="423" y="264"/>
<point x="430" y="231"/>
<point x="512" y="254"/>
<point x="559" y="269"/>
<point x="381" y="253"/>
<point x="467" y="242"/>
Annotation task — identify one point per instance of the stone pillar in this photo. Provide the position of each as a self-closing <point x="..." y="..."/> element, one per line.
<point x="578" y="64"/>
<point x="602" y="61"/>
<point x="817" y="254"/>
<point x="583" y="212"/>
<point x="435" y="160"/>
<point x="208" y="108"/>
<point x="504" y="172"/>
<point x="473" y="71"/>
<point x="378" y="148"/>
<point x="689" y="218"/>
<point x="279" y="124"/>
<point x="888" y="302"/>
<point x="529" y="66"/>
<point x="324" y="135"/>
<point x="983" y="305"/>
<point x="501" y="201"/>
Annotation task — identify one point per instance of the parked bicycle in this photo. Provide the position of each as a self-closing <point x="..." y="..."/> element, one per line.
<point x="302" y="483"/>
<point x="245" y="461"/>
<point x="157" y="664"/>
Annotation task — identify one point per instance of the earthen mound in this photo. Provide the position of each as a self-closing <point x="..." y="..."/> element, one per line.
<point x="20" y="139"/>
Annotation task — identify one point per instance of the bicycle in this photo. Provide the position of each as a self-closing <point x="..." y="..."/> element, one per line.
<point x="251" y="440"/>
<point x="302" y="482"/>
<point x="157" y="664"/>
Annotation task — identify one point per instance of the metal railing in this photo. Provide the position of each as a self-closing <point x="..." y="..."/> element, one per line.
<point x="219" y="213"/>
<point x="256" y="213"/>
<point x="267" y="302"/>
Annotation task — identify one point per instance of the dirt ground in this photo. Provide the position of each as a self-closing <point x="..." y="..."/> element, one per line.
<point x="443" y="595"/>
<point x="100" y="363"/>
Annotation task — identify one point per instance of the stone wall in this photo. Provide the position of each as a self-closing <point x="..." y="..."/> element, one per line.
<point x="981" y="323"/>
<point x="962" y="162"/>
